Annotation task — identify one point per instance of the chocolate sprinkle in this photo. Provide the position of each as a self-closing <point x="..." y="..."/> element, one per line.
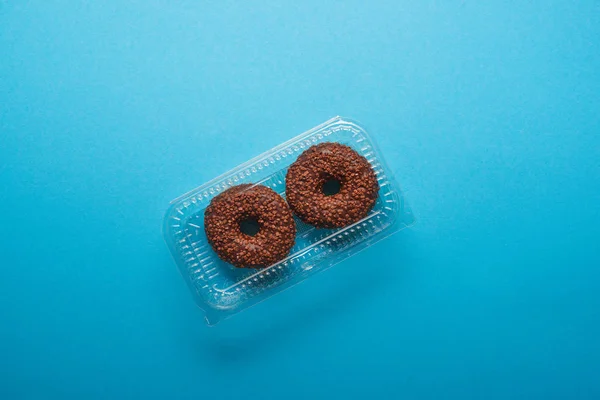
<point x="270" y="244"/>
<point x="320" y="164"/>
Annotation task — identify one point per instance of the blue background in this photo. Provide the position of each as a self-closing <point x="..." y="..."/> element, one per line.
<point x="488" y="114"/>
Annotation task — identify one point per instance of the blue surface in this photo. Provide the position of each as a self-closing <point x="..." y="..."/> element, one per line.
<point x="487" y="113"/>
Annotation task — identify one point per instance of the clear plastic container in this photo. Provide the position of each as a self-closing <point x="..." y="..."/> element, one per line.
<point x="221" y="289"/>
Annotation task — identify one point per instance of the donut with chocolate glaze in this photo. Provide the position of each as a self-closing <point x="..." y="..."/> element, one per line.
<point x="331" y="186"/>
<point x="250" y="226"/>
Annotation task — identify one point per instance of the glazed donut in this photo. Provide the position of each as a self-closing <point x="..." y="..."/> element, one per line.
<point x="331" y="186"/>
<point x="249" y="226"/>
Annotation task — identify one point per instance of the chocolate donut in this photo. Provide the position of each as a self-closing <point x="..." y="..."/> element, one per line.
<point x="330" y="186"/>
<point x="249" y="226"/>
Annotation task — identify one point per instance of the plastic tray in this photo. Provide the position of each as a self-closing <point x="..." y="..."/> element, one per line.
<point x="221" y="289"/>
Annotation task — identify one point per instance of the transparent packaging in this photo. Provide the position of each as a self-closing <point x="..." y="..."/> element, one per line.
<point x="221" y="289"/>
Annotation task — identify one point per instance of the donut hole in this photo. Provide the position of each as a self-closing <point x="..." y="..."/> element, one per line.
<point x="331" y="186"/>
<point x="249" y="226"/>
